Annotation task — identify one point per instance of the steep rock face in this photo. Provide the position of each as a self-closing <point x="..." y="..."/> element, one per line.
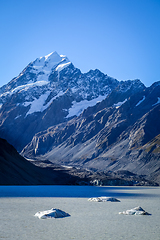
<point x="49" y="91"/>
<point x="108" y="136"/>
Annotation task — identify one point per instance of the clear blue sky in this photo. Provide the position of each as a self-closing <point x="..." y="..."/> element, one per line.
<point x="119" y="37"/>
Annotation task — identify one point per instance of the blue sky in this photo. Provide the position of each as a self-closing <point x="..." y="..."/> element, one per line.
<point x="119" y="37"/>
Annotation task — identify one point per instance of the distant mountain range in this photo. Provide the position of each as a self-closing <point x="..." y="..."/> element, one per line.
<point x="52" y="111"/>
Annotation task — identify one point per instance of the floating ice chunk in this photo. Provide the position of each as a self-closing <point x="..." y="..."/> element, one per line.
<point x="135" y="211"/>
<point x="103" y="199"/>
<point x="52" y="213"/>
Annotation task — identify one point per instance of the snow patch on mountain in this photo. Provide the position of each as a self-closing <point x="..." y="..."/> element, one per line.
<point x="62" y="66"/>
<point x="158" y="101"/>
<point x="117" y="105"/>
<point x="25" y="87"/>
<point x="18" y="116"/>
<point x="29" y="85"/>
<point x="38" y="105"/>
<point x="140" y="101"/>
<point x="43" y="76"/>
<point x="78" y="107"/>
<point x="58" y="95"/>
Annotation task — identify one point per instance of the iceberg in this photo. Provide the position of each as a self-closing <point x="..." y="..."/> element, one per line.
<point x="52" y="213"/>
<point x="135" y="211"/>
<point x="103" y="199"/>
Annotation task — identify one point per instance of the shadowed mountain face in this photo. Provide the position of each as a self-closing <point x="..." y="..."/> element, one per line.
<point x="52" y="111"/>
<point x="16" y="170"/>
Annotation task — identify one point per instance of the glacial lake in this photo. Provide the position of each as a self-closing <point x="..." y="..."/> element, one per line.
<point x="88" y="220"/>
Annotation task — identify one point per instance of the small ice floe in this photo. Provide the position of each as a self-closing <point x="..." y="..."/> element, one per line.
<point x="135" y="211"/>
<point x="103" y="199"/>
<point x="52" y="213"/>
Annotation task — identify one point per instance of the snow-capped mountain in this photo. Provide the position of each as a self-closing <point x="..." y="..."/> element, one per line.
<point x="50" y="90"/>
<point x="54" y="111"/>
<point x="35" y="75"/>
<point x="43" y="81"/>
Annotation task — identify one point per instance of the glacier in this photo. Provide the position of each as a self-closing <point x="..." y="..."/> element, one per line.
<point x="38" y="105"/>
<point x="78" y="107"/>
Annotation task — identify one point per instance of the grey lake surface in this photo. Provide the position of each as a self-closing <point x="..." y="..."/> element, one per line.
<point x="88" y="220"/>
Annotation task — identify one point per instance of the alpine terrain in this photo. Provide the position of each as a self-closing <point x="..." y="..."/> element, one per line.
<point x="54" y="112"/>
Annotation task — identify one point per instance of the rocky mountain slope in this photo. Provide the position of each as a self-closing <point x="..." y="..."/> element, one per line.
<point x="107" y="136"/>
<point x="52" y="111"/>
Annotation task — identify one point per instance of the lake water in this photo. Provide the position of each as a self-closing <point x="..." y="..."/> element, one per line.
<point x="88" y="220"/>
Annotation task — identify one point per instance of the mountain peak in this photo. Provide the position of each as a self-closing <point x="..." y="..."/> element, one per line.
<point x="52" y="55"/>
<point x="50" y="61"/>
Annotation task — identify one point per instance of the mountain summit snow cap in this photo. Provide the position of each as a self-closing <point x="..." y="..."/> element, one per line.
<point x="53" y="56"/>
<point x="50" y="61"/>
